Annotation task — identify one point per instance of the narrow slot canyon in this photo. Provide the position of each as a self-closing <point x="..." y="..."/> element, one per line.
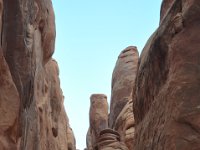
<point x="152" y="101"/>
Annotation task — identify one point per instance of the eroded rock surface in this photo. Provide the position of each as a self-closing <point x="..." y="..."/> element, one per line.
<point x="110" y="140"/>
<point x="119" y="133"/>
<point x="98" y="118"/>
<point x="99" y="136"/>
<point x="166" y="104"/>
<point x="9" y="108"/>
<point x="125" y="125"/>
<point x="123" y="82"/>
<point x="71" y="139"/>
<point x="121" y="116"/>
<point x="31" y="101"/>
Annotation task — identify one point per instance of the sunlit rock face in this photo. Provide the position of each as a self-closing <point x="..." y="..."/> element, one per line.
<point x="121" y="116"/>
<point x="166" y="102"/>
<point x="31" y="101"/>
<point x="123" y="82"/>
<point x="99" y="136"/>
<point x="98" y="118"/>
<point x="119" y="132"/>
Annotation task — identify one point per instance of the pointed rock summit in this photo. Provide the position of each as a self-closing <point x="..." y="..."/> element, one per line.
<point x="123" y="80"/>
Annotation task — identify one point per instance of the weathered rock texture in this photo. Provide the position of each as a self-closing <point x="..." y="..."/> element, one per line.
<point x="71" y="141"/>
<point x="122" y="82"/>
<point x="89" y="143"/>
<point x="32" y="115"/>
<point x="99" y="136"/>
<point x="166" y="99"/>
<point x="98" y="118"/>
<point x="119" y="133"/>
<point x="110" y="140"/>
<point x="125" y="125"/>
<point x="166" y="5"/>
<point x="121" y="116"/>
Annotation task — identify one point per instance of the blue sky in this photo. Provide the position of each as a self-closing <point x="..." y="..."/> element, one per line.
<point x="90" y="36"/>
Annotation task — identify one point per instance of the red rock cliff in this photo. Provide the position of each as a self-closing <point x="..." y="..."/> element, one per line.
<point x="32" y="115"/>
<point x="166" y="102"/>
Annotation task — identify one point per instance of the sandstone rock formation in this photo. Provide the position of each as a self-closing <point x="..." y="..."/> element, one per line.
<point x="98" y="118"/>
<point x="31" y="101"/>
<point x="125" y="125"/>
<point x="122" y="82"/>
<point x="166" y="5"/>
<point x="166" y="99"/>
<point x="89" y="143"/>
<point x="121" y="116"/>
<point x="119" y="133"/>
<point x="71" y="141"/>
<point x="110" y="140"/>
<point x="99" y="136"/>
<point x="9" y="108"/>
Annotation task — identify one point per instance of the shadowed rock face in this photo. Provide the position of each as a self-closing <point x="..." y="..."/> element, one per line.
<point x="125" y="125"/>
<point x="9" y="102"/>
<point x="166" y="102"/>
<point x="123" y="82"/>
<point x="89" y="140"/>
<point x="98" y="117"/>
<point x="166" y="6"/>
<point x="109" y="140"/>
<point x="71" y="139"/>
<point x="31" y="101"/>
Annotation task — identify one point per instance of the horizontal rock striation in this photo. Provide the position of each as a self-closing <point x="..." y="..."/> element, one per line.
<point x="110" y="140"/>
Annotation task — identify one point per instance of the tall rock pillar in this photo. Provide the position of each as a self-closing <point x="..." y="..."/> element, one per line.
<point x="123" y="80"/>
<point x="98" y="117"/>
